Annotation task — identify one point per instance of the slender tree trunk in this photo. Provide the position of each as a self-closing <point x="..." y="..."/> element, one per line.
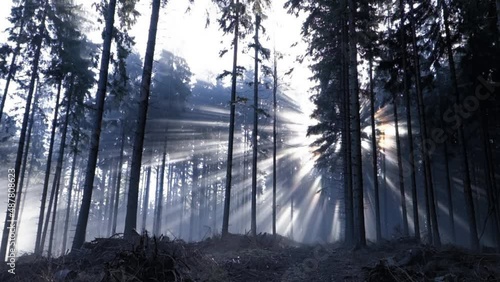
<point x="378" y="229"/>
<point x="194" y="198"/>
<point x="275" y="134"/>
<point x="469" y="204"/>
<point x="83" y="216"/>
<point x="404" y="215"/>
<point x="416" y="220"/>
<point x="255" y="128"/>
<point x="57" y="177"/>
<point x="38" y="247"/>
<point x="131" y="217"/>
<point x="356" y="130"/>
<point x="70" y="193"/>
<point x="227" y="194"/>
<point x="434" y="233"/>
<point x="346" y="138"/>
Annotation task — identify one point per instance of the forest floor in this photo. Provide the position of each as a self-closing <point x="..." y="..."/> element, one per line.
<point x="261" y="258"/>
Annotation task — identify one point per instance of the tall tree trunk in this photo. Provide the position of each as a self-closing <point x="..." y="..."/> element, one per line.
<point x="253" y="228"/>
<point x="378" y="229"/>
<point x="227" y="193"/>
<point x="356" y="130"/>
<point x="469" y="204"/>
<point x="83" y="216"/>
<point x="275" y="134"/>
<point x="346" y="134"/>
<point x="22" y="138"/>
<point x="38" y="247"/>
<point x="57" y="176"/>
<point x="416" y="220"/>
<point x="404" y="215"/>
<point x="131" y="217"/>
<point x="70" y="193"/>
<point x="436" y="238"/>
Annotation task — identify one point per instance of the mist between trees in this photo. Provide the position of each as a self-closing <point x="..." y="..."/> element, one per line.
<point x="105" y="141"/>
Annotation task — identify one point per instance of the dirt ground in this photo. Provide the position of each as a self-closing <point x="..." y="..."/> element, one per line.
<point x="263" y="258"/>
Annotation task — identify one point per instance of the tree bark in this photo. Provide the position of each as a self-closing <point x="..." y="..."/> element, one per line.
<point x="378" y="229"/>
<point x="57" y="176"/>
<point x="253" y="228"/>
<point x="404" y="216"/>
<point x="356" y="130"/>
<point x="275" y="134"/>
<point x="416" y="220"/>
<point x="469" y="203"/>
<point x="346" y="138"/>
<point x="131" y="217"/>
<point x="83" y="216"/>
<point x="227" y="193"/>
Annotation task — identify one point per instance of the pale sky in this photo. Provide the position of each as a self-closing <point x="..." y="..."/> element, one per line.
<point x="185" y="35"/>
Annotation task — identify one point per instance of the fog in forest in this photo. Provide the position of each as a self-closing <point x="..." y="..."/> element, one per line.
<point x="319" y="121"/>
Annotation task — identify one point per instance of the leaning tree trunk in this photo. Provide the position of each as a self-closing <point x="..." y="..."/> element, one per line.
<point x="356" y="130"/>
<point x="83" y="216"/>
<point x="227" y="194"/>
<point x="22" y="137"/>
<point x="131" y="217"/>
<point x="469" y="204"/>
